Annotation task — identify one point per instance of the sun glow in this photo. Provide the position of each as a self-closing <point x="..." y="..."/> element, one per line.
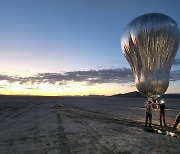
<point x="56" y="89"/>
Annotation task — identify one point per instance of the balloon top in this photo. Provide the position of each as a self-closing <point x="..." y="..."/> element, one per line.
<point x="154" y="17"/>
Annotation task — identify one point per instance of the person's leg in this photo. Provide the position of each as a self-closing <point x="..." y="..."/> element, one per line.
<point x="150" y="120"/>
<point x="160" y="118"/>
<point x="146" y="120"/>
<point x="164" y="121"/>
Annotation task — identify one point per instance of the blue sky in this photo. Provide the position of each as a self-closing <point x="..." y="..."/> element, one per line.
<point x="55" y="36"/>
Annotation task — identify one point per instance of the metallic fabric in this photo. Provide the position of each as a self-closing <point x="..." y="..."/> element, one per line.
<point x="149" y="43"/>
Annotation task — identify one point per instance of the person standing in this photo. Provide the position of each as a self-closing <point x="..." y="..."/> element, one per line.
<point x="148" y="105"/>
<point x="162" y="112"/>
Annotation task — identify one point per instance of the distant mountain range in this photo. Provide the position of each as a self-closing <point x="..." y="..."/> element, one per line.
<point x="136" y="94"/>
<point x="133" y="94"/>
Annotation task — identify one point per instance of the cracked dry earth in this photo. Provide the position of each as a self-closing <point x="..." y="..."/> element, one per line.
<point x="81" y="125"/>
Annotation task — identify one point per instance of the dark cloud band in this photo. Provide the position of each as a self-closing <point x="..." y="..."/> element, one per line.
<point x="118" y="75"/>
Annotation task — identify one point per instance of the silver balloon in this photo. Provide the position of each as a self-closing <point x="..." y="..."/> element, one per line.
<point x="150" y="43"/>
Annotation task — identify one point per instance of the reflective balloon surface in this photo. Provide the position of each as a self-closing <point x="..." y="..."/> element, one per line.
<point x="150" y="43"/>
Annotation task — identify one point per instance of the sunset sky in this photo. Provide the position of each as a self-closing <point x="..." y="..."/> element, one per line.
<point x="72" y="47"/>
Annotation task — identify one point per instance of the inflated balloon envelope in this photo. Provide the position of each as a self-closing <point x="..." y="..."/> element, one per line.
<point x="149" y="43"/>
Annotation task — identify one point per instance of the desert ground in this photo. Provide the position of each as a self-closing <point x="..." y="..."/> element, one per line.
<point x="82" y="125"/>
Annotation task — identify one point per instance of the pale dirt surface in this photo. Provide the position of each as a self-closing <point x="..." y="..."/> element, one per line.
<point x="82" y="125"/>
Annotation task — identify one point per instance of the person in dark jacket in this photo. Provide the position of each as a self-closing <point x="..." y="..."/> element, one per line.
<point x="162" y="112"/>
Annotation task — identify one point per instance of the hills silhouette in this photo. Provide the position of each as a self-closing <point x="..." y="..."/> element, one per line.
<point x="136" y="94"/>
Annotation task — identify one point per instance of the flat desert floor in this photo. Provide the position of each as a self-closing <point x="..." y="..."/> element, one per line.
<point x="82" y="125"/>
